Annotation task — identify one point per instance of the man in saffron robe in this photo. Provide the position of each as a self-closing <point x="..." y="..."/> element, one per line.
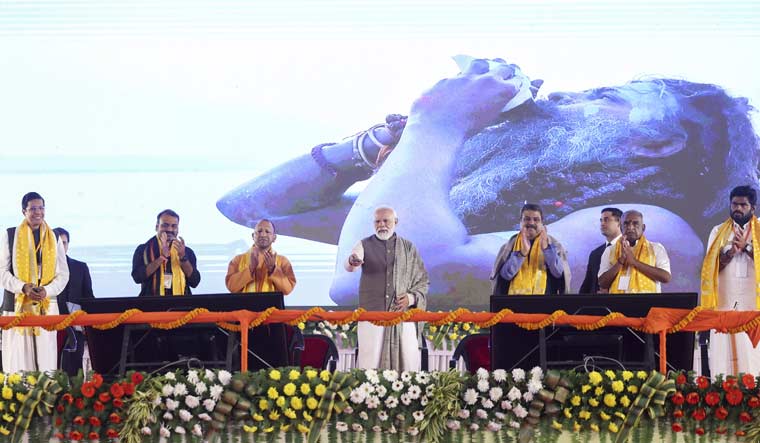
<point x="729" y="282"/>
<point x="393" y="278"/>
<point x="633" y="264"/>
<point x="33" y="271"/>
<point x="261" y="269"/>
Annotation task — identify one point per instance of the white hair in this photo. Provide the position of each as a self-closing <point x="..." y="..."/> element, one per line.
<point x="386" y="208"/>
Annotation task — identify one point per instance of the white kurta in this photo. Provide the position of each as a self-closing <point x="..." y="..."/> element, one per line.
<point x="733" y="353"/>
<point x="660" y="257"/>
<point x="19" y="350"/>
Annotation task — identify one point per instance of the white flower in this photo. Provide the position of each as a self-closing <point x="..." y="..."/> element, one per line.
<point x="534" y="386"/>
<point x="164" y="432"/>
<point x="390" y="374"/>
<point x="506" y="405"/>
<point x="414" y="392"/>
<point x="366" y="388"/>
<point x="197" y="430"/>
<point x="514" y="394"/>
<point x="499" y="375"/>
<point x="209" y="404"/>
<point x="381" y="391"/>
<point x="495" y="393"/>
<point x="373" y="402"/>
<point x="356" y="427"/>
<point x="377" y="428"/>
<point x="397" y="385"/>
<point x="185" y="415"/>
<point x="180" y="389"/>
<point x="470" y="396"/>
<point x="179" y="430"/>
<point x="315" y="332"/>
<point x="372" y="377"/>
<point x="405" y="399"/>
<point x="464" y="414"/>
<point x="346" y="326"/>
<point x="520" y="411"/>
<point x="500" y="415"/>
<point x="392" y="429"/>
<point x="348" y="410"/>
<point x="332" y="326"/>
<point x="429" y="390"/>
<point x="424" y="401"/>
<point x="192" y="401"/>
<point x="157" y="400"/>
<point x="454" y="425"/>
<point x="341" y="426"/>
<point x="536" y="373"/>
<point x="200" y="388"/>
<point x="518" y="375"/>
<point x="493" y="426"/>
<point x="391" y="402"/>
<point x="406" y="376"/>
<point x="482" y="374"/>
<point x="170" y="376"/>
<point x="321" y="325"/>
<point x="486" y="403"/>
<point x="412" y="430"/>
<point x="328" y="333"/>
<point x="192" y="376"/>
<point x="418" y="416"/>
<point x="171" y="404"/>
<point x="167" y="390"/>
<point x="474" y="427"/>
<point x="145" y="430"/>
<point x="528" y="396"/>
<point x="168" y="416"/>
<point x="357" y="396"/>
<point x="204" y="417"/>
<point x="210" y="375"/>
<point x="382" y="416"/>
<point x="224" y="377"/>
<point x="364" y="416"/>
<point x="422" y="378"/>
<point x="216" y="392"/>
<point x="481" y="414"/>
<point x="514" y="424"/>
<point x="483" y="385"/>
<point x="344" y="336"/>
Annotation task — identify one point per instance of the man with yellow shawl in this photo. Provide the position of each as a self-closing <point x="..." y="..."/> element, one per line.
<point x="33" y="271"/>
<point x="260" y="269"/>
<point x="632" y="264"/>
<point x="164" y="265"/>
<point x="729" y="282"/>
<point x="531" y="262"/>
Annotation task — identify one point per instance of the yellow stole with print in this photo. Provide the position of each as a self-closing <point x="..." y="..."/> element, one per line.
<point x="638" y="283"/>
<point x="27" y="269"/>
<point x="261" y="279"/>
<point x="531" y="277"/>
<point x="178" y="276"/>
<point x="711" y="267"/>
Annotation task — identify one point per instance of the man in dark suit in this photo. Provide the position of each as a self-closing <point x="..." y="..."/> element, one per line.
<point x="79" y="287"/>
<point x="610" y="226"/>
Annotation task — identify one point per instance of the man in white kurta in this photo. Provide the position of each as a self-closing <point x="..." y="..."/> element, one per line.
<point x="732" y="354"/>
<point x="31" y="349"/>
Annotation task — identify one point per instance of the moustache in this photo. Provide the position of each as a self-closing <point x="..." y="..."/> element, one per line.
<point x="531" y="226"/>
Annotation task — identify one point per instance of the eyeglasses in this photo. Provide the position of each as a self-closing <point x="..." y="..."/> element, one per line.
<point x="35" y="208"/>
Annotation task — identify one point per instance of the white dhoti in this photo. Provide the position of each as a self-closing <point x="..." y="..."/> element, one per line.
<point x="371" y="346"/>
<point x="24" y="351"/>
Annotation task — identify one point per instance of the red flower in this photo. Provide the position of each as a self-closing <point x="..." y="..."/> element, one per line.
<point x="137" y="378"/>
<point x="114" y="418"/>
<point x="58" y="421"/>
<point x="79" y="403"/>
<point x="677" y="427"/>
<point x="734" y="396"/>
<point x="111" y="433"/>
<point x="740" y="433"/>
<point x="745" y="417"/>
<point x="59" y="408"/>
<point x="59" y="436"/>
<point x="75" y="435"/>
<point x="93" y="435"/>
<point x="117" y="391"/>
<point x="703" y="382"/>
<point x="88" y="389"/>
<point x="700" y="431"/>
<point x="98" y="406"/>
<point x="95" y="421"/>
<point x="721" y="413"/>
<point x="681" y="379"/>
<point x="753" y="402"/>
<point x="692" y="398"/>
<point x="699" y="414"/>
<point x="79" y="420"/>
<point x="104" y="397"/>
<point x="729" y="383"/>
<point x="677" y="399"/>
<point x="712" y="398"/>
<point x="721" y="431"/>
<point x="117" y="403"/>
<point x="678" y="413"/>
<point x="129" y="388"/>
<point x="748" y="380"/>
<point x="67" y="398"/>
<point x="97" y="380"/>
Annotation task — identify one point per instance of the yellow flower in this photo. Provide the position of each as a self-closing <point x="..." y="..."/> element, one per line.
<point x="430" y="337"/>
<point x="568" y="412"/>
<point x="594" y="427"/>
<point x="296" y="403"/>
<point x="14" y="378"/>
<point x="31" y="379"/>
<point x="320" y="390"/>
<point x="642" y="375"/>
<point x="274" y="415"/>
<point x="325" y="375"/>
<point x="556" y="425"/>
<point x="13" y="407"/>
<point x="305" y="388"/>
<point x="250" y="429"/>
<point x="576" y="427"/>
<point x="311" y="373"/>
<point x="598" y="391"/>
<point x="263" y="404"/>
<point x="604" y="416"/>
<point x="594" y="377"/>
<point x="302" y="429"/>
<point x="585" y="388"/>
<point x="584" y="414"/>
<point x="613" y="428"/>
<point x="633" y="389"/>
<point x="610" y="400"/>
<point x="275" y="375"/>
<point x="2" y="378"/>
<point x="8" y="417"/>
<point x="466" y="327"/>
<point x="311" y="403"/>
<point x="280" y="402"/>
<point x="433" y="328"/>
<point x="610" y="374"/>
<point x="291" y="414"/>
<point x="7" y="393"/>
<point x="258" y="417"/>
<point x="284" y="428"/>
<point x="272" y="393"/>
<point x="289" y="389"/>
<point x="293" y="374"/>
<point x="618" y="386"/>
<point x="302" y="326"/>
<point x="619" y="414"/>
<point x="4" y="430"/>
<point x="307" y="416"/>
<point x="20" y="397"/>
<point x="625" y="401"/>
<point x="269" y="429"/>
<point x="593" y="402"/>
<point x="576" y="400"/>
<point x="454" y="336"/>
<point x="2" y="405"/>
<point x="627" y="375"/>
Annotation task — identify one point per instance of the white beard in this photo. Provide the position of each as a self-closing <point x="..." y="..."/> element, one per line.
<point x="384" y="235"/>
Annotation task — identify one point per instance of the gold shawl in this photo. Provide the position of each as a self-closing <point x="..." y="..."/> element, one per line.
<point x="178" y="276"/>
<point x="639" y="283"/>
<point x="261" y="280"/>
<point x="27" y="270"/>
<point x="531" y="277"/>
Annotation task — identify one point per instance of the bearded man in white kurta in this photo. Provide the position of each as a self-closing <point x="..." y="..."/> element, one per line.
<point x="729" y="282"/>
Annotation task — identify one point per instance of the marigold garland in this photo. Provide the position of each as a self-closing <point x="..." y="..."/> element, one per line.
<point x="543" y="323"/>
<point x="305" y="316"/>
<point x="686" y="320"/>
<point x="180" y="321"/>
<point x="495" y="319"/>
<point x="66" y="322"/>
<point x="755" y="322"/>
<point x="602" y="322"/>
<point x="263" y="317"/>
<point x="351" y="318"/>
<point x="119" y="320"/>
<point x="451" y="317"/>
<point x="402" y="317"/>
<point x="17" y="320"/>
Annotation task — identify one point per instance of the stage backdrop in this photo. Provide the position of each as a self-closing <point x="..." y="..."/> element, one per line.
<point x="116" y="110"/>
